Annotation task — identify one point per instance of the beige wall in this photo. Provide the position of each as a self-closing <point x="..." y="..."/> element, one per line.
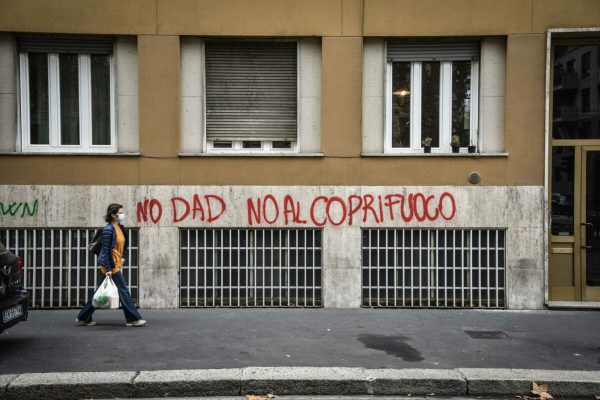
<point x="525" y="104"/>
<point x="442" y="18"/>
<point x="79" y="16"/>
<point x="342" y="24"/>
<point x="297" y="17"/>
<point x="249" y="18"/>
<point x="159" y="64"/>
<point x="342" y="91"/>
<point x="127" y="170"/>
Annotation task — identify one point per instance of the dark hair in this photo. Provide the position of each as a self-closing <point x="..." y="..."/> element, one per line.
<point x="112" y="209"/>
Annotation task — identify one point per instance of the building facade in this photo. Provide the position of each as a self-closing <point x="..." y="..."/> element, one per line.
<point x="314" y="153"/>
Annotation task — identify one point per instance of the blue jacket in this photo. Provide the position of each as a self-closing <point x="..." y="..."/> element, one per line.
<point x="109" y="239"/>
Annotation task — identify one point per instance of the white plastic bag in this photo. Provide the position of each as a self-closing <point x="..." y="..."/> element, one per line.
<point x="107" y="295"/>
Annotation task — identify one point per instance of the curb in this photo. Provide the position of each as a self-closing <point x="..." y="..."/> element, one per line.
<point x="296" y="381"/>
<point x="562" y="384"/>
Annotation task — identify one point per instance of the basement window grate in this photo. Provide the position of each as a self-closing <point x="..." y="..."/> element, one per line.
<point x="250" y="268"/>
<point x="438" y="268"/>
<point x="58" y="269"/>
<point x="494" y="335"/>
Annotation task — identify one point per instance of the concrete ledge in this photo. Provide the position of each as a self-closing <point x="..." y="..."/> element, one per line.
<point x="4" y="381"/>
<point x="307" y="381"/>
<point x="297" y="381"/>
<point x="187" y="383"/>
<point x="48" y="153"/>
<point x="421" y="154"/>
<point x="71" y="385"/>
<point x="416" y="382"/>
<point x="508" y="382"/>
<point x="577" y="305"/>
<point x="251" y="154"/>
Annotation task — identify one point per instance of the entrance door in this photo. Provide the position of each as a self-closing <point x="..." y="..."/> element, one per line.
<point x="574" y="193"/>
<point x="575" y="229"/>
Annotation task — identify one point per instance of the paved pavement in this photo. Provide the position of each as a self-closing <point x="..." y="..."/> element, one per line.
<point x="309" y="397"/>
<point x="237" y="338"/>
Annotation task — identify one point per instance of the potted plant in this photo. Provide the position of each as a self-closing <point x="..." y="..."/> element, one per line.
<point x="471" y="148"/>
<point x="455" y="143"/>
<point x="427" y="144"/>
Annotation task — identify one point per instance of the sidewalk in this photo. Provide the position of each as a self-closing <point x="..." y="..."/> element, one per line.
<point x="363" y="352"/>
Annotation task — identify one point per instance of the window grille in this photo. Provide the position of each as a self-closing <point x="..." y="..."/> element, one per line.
<point x="250" y="268"/>
<point x="58" y="269"/>
<point x="433" y="268"/>
<point x="66" y="44"/>
<point x="399" y="50"/>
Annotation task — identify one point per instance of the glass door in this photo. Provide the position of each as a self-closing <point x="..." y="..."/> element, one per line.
<point x="564" y="273"/>
<point x="590" y="224"/>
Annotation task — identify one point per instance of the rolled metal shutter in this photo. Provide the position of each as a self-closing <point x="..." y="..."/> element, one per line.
<point x="66" y="44"/>
<point x="432" y="50"/>
<point x="251" y="90"/>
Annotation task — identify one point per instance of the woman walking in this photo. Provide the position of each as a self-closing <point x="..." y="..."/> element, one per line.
<point x="111" y="259"/>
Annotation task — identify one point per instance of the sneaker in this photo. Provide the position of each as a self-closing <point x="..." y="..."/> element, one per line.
<point x="83" y="323"/>
<point x="139" y="322"/>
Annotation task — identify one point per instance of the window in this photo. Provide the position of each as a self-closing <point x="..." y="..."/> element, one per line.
<point x="586" y="65"/>
<point x="59" y="271"/>
<point x="432" y="91"/>
<point x="574" y="110"/>
<point x="442" y="268"/>
<point x="250" y="267"/>
<point x="585" y="100"/>
<point x="67" y="96"/>
<point x="251" y="96"/>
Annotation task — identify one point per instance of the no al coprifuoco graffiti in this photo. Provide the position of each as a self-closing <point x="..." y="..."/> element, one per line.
<point x="351" y="209"/>
<point x="318" y="211"/>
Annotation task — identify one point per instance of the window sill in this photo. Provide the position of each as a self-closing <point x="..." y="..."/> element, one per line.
<point x="248" y="154"/>
<point x="50" y="153"/>
<point x="470" y="155"/>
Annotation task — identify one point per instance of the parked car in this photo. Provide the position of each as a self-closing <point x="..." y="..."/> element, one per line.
<point x="13" y="297"/>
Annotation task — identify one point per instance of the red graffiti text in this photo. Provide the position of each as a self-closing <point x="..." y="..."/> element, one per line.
<point x="336" y="210"/>
<point x="205" y="208"/>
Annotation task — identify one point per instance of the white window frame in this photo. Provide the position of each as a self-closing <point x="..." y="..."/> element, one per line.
<point x="85" y="108"/>
<point x="237" y="146"/>
<point x="445" y="113"/>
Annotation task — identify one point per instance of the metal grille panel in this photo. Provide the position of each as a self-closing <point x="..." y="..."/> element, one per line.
<point x="66" y="44"/>
<point x="432" y="50"/>
<point x="433" y="268"/>
<point x="58" y="269"/>
<point x="250" y="268"/>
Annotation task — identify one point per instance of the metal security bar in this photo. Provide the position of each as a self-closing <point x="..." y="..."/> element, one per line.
<point x="433" y="268"/>
<point x="58" y="269"/>
<point x="250" y="268"/>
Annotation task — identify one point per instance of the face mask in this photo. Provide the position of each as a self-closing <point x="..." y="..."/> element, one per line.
<point x="120" y="217"/>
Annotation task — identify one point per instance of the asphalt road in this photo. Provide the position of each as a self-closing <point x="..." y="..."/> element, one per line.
<point x="222" y="338"/>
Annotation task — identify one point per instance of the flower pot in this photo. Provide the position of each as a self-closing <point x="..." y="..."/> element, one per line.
<point x="472" y="149"/>
<point x="427" y="149"/>
<point x="455" y="149"/>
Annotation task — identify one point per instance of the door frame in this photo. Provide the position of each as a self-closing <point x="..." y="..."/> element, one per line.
<point x="554" y="37"/>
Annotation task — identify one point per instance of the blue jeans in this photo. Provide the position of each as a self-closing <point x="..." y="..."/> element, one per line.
<point x="131" y="313"/>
